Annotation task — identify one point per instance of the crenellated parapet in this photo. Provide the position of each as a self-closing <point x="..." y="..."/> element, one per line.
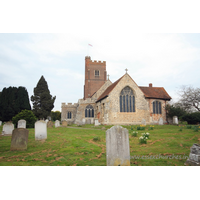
<point x="69" y="105"/>
<point x="86" y="101"/>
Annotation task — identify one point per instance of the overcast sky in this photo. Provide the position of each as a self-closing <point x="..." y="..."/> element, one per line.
<point x="165" y="59"/>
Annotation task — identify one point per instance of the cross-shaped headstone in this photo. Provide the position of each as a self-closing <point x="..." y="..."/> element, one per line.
<point x="108" y="76"/>
<point x="126" y="70"/>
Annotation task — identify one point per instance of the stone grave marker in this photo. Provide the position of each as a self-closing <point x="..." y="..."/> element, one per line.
<point x="96" y="122"/>
<point x="21" y="123"/>
<point x="0" y="123"/>
<point x="49" y="124"/>
<point x="46" y="120"/>
<point x="194" y="156"/>
<point x="175" y="120"/>
<point x="19" y="139"/>
<point x="57" y="123"/>
<point x="40" y="130"/>
<point x="117" y="146"/>
<point x="83" y="121"/>
<point x="143" y="122"/>
<point x="8" y="127"/>
<point x="160" y="121"/>
<point x="64" y="123"/>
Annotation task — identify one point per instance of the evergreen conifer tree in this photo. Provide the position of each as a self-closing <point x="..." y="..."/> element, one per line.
<point x="42" y="100"/>
<point x="12" y="101"/>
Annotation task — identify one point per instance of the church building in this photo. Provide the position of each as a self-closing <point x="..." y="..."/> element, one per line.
<point x="122" y="102"/>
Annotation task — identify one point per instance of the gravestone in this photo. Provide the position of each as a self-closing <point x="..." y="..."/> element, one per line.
<point x="50" y="124"/>
<point x="64" y="123"/>
<point x="57" y="123"/>
<point x="117" y="146"/>
<point x="46" y="120"/>
<point x="40" y="130"/>
<point x="160" y="121"/>
<point x="175" y="120"/>
<point x="83" y="121"/>
<point x="8" y="127"/>
<point x="19" y="139"/>
<point x="0" y="123"/>
<point x="96" y="122"/>
<point x="143" y="122"/>
<point x="194" y="157"/>
<point x="21" y="123"/>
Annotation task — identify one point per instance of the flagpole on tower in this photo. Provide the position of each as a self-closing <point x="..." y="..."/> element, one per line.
<point x="89" y="45"/>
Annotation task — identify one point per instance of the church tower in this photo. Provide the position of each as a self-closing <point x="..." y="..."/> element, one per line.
<point x="95" y="76"/>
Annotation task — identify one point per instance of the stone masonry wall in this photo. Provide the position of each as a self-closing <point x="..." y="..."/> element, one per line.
<point x="80" y="115"/>
<point x="109" y="108"/>
<point x="101" y="90"/>
<point x="69" y="108"/>
<point x="154" y="118"/>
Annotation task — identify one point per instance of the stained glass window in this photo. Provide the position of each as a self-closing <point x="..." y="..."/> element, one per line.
<point x="127" y="100"/>
<point x="89" y="111"/>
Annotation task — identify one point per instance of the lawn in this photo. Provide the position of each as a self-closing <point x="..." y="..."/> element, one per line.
<point x="86" y="146"/>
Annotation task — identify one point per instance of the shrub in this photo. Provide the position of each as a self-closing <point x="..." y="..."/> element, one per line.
<point x="151" y="127"/>
<point x="143" y="140"/>
<point x="134" y="134"/>
<point x="26" y="115"/>
<point x="141" y="127"/>
<point x="146" y="135"/>
<point x="196" y="128"/>
<point x="192" y="118"/>
<point x="188" y="126"/>
<point x="96" y="139"/>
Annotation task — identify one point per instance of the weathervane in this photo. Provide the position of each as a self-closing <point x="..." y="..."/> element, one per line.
<point x="126" y="70"/>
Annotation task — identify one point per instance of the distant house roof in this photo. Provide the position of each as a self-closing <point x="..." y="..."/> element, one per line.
<point x="149" y="92"/>
<point x="155" y="93"/>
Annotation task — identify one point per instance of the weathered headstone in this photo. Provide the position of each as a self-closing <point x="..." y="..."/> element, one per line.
<point x="117" y="146"/>
<point x="19" y="139"/>
<point x="64" y="123"/>
<point x="0" y="123"/>
<point x="21" y="123"/>
<point x="46" y="120"/>
<point x="57" y="123"/>
<point x="8" y="127"/>
<point x="143" y="122"/>
<point x="40" y="130"/>
<point x="175" y="120"/>
<point x="50" y="124"/>
<point x="194" y="157"/>
<point x="83" y="121"/>
<point x="160" y="121"/>
<point x="96" y="122"/>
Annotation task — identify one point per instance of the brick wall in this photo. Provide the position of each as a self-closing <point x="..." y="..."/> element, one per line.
<point x="92" y="82"/>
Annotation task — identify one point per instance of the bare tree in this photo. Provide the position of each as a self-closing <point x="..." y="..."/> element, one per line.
<point x="190" y="98"/>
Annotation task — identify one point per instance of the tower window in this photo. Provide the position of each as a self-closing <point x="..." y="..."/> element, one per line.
<point x="69" y="115"/>
<point x="96" y="73"/>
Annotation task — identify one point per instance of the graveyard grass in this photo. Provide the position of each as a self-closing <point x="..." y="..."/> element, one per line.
<point x="86" y="146"/>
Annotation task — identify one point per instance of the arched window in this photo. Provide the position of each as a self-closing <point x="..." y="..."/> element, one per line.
<point x="157" y="107"/>
<point x="89" y="111"/>
<point x="127" y="100"/>
<point x="69" y="115"/>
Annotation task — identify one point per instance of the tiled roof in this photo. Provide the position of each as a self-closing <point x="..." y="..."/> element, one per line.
<point x="149" y="92"/>
<point x="155" y="93"/>
<point x="108" y="90"/>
